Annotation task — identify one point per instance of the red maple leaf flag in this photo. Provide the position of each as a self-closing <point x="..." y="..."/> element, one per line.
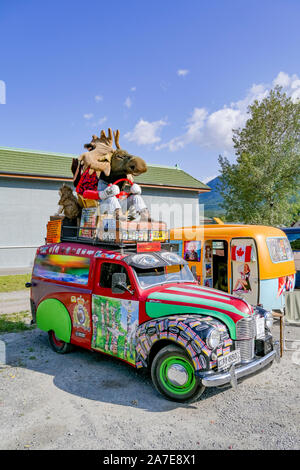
<point x="241" y="253"/>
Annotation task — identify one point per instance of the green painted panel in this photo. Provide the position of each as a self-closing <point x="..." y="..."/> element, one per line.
<point x="52" y="315"/>
<point x="213" y="302"/>
<point x="157" y="309"/>
<point x="195" y="300"/>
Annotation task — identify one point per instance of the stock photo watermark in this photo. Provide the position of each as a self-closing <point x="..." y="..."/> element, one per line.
<point x="296" y="353"/>
<point x="2" y="353"/>
<point x="2" y="92"/>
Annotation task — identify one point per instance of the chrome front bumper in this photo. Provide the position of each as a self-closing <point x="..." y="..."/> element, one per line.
<point x="237" y="372"/>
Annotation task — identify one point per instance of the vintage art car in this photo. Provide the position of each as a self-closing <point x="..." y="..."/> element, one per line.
<point x="142" y="304"/>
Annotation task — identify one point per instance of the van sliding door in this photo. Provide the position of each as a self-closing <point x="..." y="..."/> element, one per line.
<point x="244" y="269"/>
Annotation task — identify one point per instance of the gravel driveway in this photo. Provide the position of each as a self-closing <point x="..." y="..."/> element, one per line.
<point x="85" y="400"/>
<point x="16" y="301"/>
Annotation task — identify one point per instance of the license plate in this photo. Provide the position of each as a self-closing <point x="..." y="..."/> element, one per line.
<point x="224" y="362"/>
<point x="260" y="327"/>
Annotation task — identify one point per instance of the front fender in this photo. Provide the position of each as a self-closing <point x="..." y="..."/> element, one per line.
<point x="52" y="315"/>
<point x="188" y="331"/>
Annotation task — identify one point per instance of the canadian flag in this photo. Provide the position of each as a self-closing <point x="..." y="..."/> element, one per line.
<point x="241" y="253"/>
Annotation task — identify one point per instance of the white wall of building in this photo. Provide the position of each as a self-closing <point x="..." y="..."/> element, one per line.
<point x="24" y="211"/>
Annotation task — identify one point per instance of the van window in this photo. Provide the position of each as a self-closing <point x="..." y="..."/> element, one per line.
<point x="71" y="269"/>
<point x="107" y="270"/>
<point x="215" y="264"/>
<point x="280" y="249"/>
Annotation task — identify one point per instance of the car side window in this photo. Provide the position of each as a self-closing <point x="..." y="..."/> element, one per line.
<point x="107" y="270"/>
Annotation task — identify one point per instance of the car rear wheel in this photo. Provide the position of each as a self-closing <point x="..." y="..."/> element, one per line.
<point x="173" y="375"/>
<point x="58" y="345"/>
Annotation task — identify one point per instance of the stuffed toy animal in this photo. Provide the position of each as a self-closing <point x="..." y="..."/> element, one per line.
<point x="102" y="166"/>
<point x="93" y="162"/>
<point x="68" y="203"/>
<point x="123" y="166"/>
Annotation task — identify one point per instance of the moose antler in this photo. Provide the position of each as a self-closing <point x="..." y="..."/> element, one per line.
<point x="107" y="140"/>
<point x="99" y="154"/>
<point x="117" y="136"/>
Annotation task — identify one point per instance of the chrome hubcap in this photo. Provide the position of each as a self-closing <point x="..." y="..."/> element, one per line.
<point x="177" y="375"/>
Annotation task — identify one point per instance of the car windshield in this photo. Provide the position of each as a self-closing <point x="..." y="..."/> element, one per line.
<point x="163" y="274"/>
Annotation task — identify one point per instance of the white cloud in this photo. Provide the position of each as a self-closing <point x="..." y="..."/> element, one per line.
<point x="102" y="120"/>
<point x="194" y="128"/>
<point x="214" y="129"/>
<point x="128" y="102"/>
<point x="182" y="72"/>
<point x="88" y="116"/>
<point x="145" y="132"/>
<point x="282" y="79"/>
<point x="219" y="125"/>
<point x="98" y="98"/>
<point x="133" y="88"/>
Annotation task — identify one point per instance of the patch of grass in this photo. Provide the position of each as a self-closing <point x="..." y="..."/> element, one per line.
<point x="12" y="283"/>
<point x="13" y="322"/>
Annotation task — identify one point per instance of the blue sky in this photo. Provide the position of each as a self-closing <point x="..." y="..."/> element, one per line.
<point x="174" y="76"/>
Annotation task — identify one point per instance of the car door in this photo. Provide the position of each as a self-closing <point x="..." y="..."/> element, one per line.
<point x="244" y="269"/>
<point x="115" y="317"/>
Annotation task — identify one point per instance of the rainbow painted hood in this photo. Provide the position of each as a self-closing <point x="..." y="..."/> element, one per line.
<point x="190" y="298"/>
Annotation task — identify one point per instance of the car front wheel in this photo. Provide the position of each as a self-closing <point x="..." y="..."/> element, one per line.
<point x="173" y="375"/>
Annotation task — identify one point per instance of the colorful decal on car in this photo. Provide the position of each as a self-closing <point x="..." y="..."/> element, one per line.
<point x="285" y="284"/>
<point x="241" y="253"/>
<point x="71" y="269"/>
<point x="81" y="318"/>
<point x="189" y="331"/>
<point x="114" y="326"/>
<point x="192" y="250"/>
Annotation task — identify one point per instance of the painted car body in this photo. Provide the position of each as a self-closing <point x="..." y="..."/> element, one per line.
<point x="70" y="295"/>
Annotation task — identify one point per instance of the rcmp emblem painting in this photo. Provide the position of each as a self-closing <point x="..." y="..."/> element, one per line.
<point x="81" y="317"/>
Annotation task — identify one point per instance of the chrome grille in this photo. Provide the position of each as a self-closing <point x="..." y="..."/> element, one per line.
<point x="245" y="328"/>
<point x="245" y="333"/>
<point x="246" y="347"/>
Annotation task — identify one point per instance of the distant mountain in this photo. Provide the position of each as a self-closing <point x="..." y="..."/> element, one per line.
<point x="212" y="200"/>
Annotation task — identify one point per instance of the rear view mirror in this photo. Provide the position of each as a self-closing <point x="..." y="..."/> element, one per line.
<point x="118" y="283"/>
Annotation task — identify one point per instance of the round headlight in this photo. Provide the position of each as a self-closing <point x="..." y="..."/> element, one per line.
<point x="269" y="320"/>
<point x="213" y="338"/>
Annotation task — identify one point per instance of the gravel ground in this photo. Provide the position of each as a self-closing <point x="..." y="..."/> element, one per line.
<point x="85" y="400"/>
<point x="15" y="301"/>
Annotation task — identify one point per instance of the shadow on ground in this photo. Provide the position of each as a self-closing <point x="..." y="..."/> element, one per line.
<point x="90" y="375"/>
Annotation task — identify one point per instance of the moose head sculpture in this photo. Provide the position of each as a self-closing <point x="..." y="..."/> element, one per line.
<point x="112" y="164"/>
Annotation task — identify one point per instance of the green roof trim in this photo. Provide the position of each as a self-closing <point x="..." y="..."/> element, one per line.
<point x="53" y="165"/>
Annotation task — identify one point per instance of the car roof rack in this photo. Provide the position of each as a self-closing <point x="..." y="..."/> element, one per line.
<point x="71" y="234"/>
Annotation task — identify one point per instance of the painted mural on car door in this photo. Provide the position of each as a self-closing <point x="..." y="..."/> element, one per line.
<point x="114" y="326"/>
